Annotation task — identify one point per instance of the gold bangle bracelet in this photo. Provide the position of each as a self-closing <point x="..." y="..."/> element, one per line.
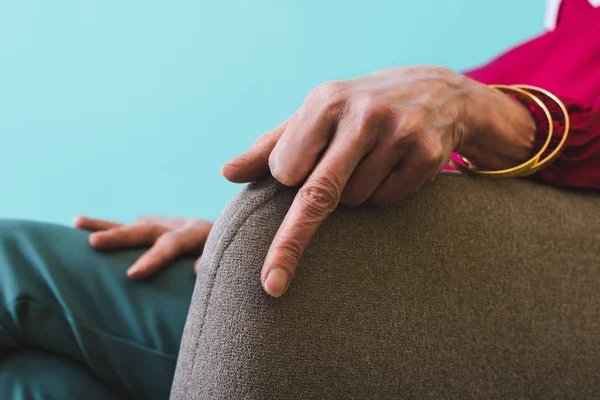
<point x="544" y="162"/>
<point x="523" y="169"/>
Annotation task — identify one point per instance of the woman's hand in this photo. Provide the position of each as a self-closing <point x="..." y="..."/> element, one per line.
<point x="167" y="238"/>
<point x="378" y="138"/>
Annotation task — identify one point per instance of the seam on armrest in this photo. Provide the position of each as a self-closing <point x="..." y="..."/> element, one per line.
<point x="221" y="248"/>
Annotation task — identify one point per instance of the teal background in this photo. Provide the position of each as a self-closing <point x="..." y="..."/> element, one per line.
<point x="115" y="108"/>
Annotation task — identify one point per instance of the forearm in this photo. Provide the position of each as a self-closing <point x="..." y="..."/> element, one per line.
<point x="501" y="131"/>
<point x="498" y="142"/>
<point x="574" y="79"/>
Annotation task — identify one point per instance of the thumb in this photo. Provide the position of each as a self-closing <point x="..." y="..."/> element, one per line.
<point x="254" y="163"/>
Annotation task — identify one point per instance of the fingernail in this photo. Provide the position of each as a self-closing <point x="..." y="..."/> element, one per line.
<point x="283" y="178"/>
<point x="276" y="281"/>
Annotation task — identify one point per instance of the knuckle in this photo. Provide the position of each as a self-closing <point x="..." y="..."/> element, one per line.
<point x="146" y="220"/>
<point x="372" y="109"/>
<point x="278" y="170"/>
<point x="155" y="230"/>
<point x="401" y="145"/>
<point x="370" y="114"/>
<point x="434" y="154"/>
<point x="320" y="196"/>
<point x="328" y="95"/>
<point x="196" y="223"/>
<point x="170" y="243"/>
<point x="264" y="140"/>
<point x="402" y="140"/>
<point x="291" y="250"/>
<point x="412" y="69"/>
<point x="439" y="70"/>
<point x="115" y="236"/>
<point x="413" y="120"/>
<point x="240" y="163"/>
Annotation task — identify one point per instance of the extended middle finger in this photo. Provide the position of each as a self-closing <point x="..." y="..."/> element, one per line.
<point x="318" y="197"/>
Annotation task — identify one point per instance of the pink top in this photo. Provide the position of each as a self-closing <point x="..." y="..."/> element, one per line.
<point x="565" y="61"/>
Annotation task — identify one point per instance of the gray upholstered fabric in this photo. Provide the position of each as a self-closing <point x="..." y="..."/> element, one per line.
<point x="470" y="289"/>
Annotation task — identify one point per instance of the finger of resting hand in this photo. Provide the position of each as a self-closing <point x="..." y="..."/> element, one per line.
<point x="127" y="236"/>
<point x="94" y="224"/>
<point x="254" y="163"/>
<point x="317" y="198"/>
<point x="371" y="172"/>
<point x="148" y="219"/>
<point x="168" y="222"/>
<point x="407" y="178"/>
<point x="167" y="248"/>
<point x="300" y="146"/>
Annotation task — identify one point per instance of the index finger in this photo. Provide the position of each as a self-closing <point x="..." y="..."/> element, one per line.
<point x="318" y="197"/>
<point x="254" y="163"/>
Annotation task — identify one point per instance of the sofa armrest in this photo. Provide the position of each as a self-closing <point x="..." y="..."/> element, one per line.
<point x="469" y="289"/>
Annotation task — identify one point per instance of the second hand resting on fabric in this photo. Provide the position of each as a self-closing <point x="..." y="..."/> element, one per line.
<point x="375" y="138"/>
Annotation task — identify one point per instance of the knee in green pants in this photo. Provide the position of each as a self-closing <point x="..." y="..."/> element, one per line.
<point x="60" y="296"/>
<point x="36" y="375"/>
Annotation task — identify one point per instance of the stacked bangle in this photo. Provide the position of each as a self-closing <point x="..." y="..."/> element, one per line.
<point x="554" y="117"/>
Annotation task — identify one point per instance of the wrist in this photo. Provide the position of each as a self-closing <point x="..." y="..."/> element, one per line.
<point x="499" y="131"/>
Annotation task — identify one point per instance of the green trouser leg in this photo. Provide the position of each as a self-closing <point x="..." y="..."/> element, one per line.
<point x="59" y="296"/>
<point x="33" y="374"/>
